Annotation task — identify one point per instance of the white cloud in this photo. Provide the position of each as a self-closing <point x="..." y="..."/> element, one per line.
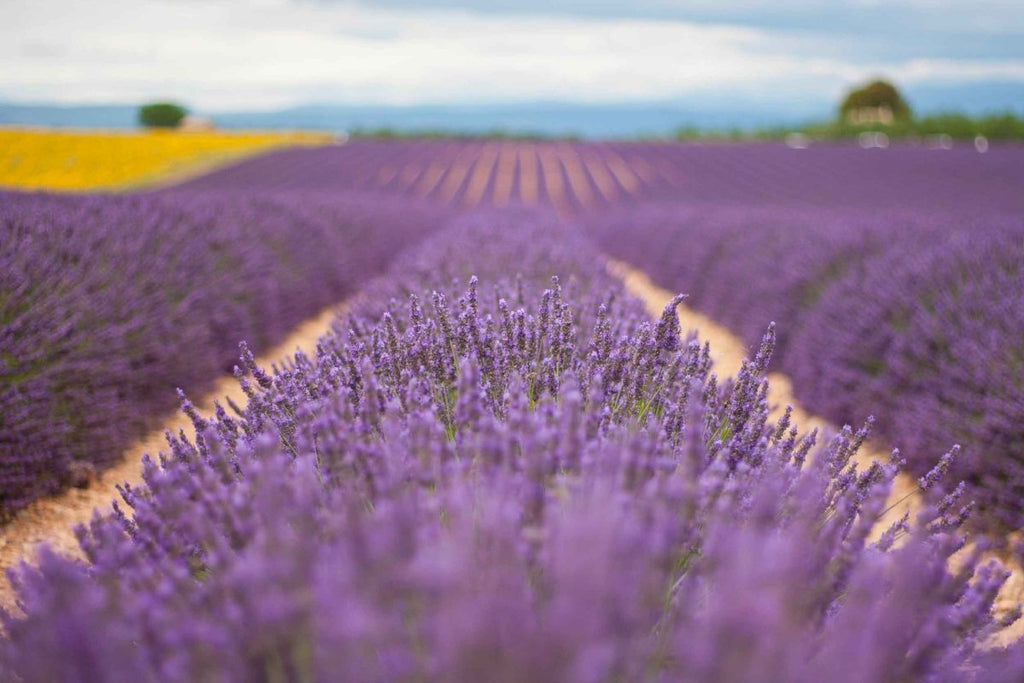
<point x="236" y="54"/>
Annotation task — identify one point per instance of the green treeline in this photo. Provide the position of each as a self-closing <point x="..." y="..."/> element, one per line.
<point x="1007" y="126"/>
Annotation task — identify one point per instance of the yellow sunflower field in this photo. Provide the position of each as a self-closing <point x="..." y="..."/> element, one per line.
<point x="103" y="160"/>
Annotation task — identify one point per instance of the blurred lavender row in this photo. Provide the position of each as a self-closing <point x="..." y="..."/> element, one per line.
<point x="837" y="176"/>
<point x="107" y="303"/>
<point x="515" y="476"/>
<point x="582" y="177"/>
<point x="912" y="315"/>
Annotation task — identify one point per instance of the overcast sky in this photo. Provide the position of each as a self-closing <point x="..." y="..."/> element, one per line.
<point x="264" y="54"/>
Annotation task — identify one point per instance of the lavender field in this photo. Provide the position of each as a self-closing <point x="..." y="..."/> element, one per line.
<point x="497" y="466"/>
<point x="574" y="177"/>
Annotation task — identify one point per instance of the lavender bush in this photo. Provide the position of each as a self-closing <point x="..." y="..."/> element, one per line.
<point x="520" y="481"/>
<point x="913" y="315"/>
<point x="107" y="303"/>
<point x="748" y="266"/>
<point x="931" y="338"/>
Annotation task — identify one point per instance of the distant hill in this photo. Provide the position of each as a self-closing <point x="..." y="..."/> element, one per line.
<point x="544" y="118"/>
<point x="86" y="116"/>
<point x="708" y="112"/>
<point x="585" y="120"/>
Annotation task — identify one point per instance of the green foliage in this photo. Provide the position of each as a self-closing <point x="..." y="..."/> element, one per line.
<point x="953" y="124"/>
<point x="734" y="134"/>
<point x="1006" y="126"/>
<point x="876" y="94"/>
<point x="161" y="115"/>
<point x="1002" y="127"/>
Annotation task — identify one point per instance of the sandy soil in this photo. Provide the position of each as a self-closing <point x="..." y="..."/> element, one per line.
<point x="52" y="520"/>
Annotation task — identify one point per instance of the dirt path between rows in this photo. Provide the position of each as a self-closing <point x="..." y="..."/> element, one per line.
<point x="52" y="520"/>
<point x="727" y="354"/>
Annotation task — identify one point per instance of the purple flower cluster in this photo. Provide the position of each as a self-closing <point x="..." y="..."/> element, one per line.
<point x="107" y="303"/>
<point x="508" y="478"/>
<point x="912" y="315"/>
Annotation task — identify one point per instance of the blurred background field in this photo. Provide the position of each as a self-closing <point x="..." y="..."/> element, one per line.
<point x="72" y="160"/>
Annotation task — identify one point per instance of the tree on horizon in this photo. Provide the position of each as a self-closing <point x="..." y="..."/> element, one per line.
<point x="878" y="101"/>
<point x="161" y="115"/>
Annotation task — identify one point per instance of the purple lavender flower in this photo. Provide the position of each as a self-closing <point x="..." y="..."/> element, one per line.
<point x="108" y="303"/>
<point x="408" y="506"/>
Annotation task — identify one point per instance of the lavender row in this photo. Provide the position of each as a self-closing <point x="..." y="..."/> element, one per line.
<point x="931" y="338"/>
<point x="509" y="478"/>
<point x="835" y="176"/>
<point x="108" y="303"/>
<point x="915" y="316"/>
